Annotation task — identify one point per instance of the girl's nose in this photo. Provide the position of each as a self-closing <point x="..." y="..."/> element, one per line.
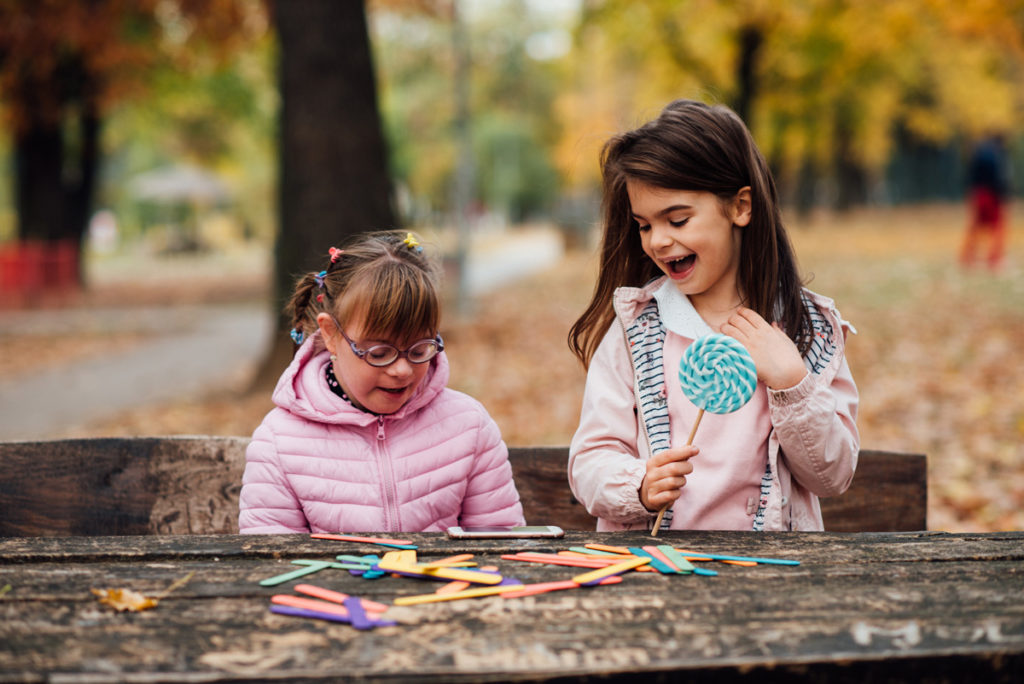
<point x="401" y="368"/>
<point x="661" y="236"/>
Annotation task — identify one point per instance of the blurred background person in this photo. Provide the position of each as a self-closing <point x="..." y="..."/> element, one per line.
<point x="988" y="187"/>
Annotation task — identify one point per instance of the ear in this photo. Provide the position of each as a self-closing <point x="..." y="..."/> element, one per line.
<point x="328" y="330"/>
<point x="741" y="207"/>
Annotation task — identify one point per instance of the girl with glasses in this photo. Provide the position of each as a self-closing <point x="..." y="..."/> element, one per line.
<point x="365" y="436"/>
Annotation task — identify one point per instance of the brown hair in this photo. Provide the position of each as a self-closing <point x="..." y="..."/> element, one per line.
<point x="696" y="147"/>
<point x="384" y="278"/>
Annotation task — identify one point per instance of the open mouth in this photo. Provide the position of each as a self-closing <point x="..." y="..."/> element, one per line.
<point x="393" y="390"/>
<point x="682" y="265"/>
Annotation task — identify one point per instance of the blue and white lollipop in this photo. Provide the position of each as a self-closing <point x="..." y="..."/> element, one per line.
<point x="718" y="375"/>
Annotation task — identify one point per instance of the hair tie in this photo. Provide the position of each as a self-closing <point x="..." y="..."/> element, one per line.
<point x="320" y="298"/>
<point x="298" y="337"/>
<point x="319" y="277"/>
<point x="335" y="254"/>
<point x="412" y="243"/>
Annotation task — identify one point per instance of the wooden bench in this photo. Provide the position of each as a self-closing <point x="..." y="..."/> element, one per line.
<point x="190" y="485"/>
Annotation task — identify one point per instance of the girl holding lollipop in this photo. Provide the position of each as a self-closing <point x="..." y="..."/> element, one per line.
<point x="693" y="244"/>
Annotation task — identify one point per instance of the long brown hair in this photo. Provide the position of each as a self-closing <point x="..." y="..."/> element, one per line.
<point x="384" y="278"/>
<point x="696" y="147"/>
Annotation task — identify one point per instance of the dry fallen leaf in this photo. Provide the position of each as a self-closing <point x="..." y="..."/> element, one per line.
<point x="125" y="599"/>
<point x="129" y="600"/>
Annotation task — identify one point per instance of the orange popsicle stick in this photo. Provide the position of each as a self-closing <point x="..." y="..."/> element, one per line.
<point x="308" y="604"/>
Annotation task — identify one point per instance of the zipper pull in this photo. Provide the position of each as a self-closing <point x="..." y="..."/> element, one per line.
<point x="380" y="428"/>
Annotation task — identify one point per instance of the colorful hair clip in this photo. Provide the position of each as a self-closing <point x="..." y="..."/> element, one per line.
<point x="320" y="297"/>
<point x="320" y="278"/>
<point x="335" y="253"/>
<point x="298" y="336"/>
<point x="412" y="243"/>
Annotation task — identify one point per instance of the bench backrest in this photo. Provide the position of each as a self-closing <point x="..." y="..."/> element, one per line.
<point x="190" y="485"/>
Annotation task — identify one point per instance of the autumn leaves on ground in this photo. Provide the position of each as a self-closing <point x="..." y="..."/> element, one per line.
<point x="938" y="358"/>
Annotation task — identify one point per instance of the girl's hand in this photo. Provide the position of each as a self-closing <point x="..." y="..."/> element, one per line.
<point x="776" y="356"/>
<point x="666" y="475"/>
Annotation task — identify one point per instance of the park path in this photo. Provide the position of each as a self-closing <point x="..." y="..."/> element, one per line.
<point x="188" y="351"/>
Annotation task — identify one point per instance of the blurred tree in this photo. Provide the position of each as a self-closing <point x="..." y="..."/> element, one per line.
<point x="62" y="65"/>
<point x="827" y="87"/>
<point x="334" y="179"/>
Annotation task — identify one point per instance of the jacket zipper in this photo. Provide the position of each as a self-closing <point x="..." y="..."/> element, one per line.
<point x="391" y="521"/>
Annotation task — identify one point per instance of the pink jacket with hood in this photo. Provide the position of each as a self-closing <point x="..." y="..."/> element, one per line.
<point x="812" y="447"/>
<point x="318" y="464"/>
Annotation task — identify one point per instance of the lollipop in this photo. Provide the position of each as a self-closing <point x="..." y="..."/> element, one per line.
<point x="717" y="375"/>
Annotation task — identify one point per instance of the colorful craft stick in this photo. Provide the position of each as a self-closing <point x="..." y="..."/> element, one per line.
<point x="450" y="561"/>
<point x="444" y="573"/>
<point x="468" y="593"/>
<point x="453" y="587"/>
<point x="659" y="556"/>
<point x="656" y="563"/>
<point x="625" y="566"/>
<point x="677" y="559"/>
<point x="333" y="617"/>
<point x="552" y="559"/>
<point x="544" y="587"/>
<point x="360" y="620"/>
<point x="718" y="557"/>
<point x="396" y="543"/>
<point x="308" y="604"/>
<point x="312" y="566"/>
<point x="622" y="550"/>
<point x="336" y="597"/>
<point x="594" y="552"/>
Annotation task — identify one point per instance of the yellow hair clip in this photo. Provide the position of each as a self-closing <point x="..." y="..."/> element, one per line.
<point x="411" y="242"/>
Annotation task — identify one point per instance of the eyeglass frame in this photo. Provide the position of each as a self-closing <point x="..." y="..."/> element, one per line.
<point x="399" y="353"/>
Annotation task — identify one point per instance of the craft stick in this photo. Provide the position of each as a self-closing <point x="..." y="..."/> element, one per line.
<point x="474" y="576"/>
<point x="451" y="560"/>
<point x="617" y="569"/>
<point x="468" y="593"/>
<point x="396" y="543"/>
<point x="311" y="567"/>
<point x="678" y="559"/>
<point x="453" y="587"/>
<point x="656" y="563"/>
<point x="308" y="604"/>
<point x="360" y="620"/>
<point x="555" y="560"/>
<point x="594" y="552"/>
<point x="336" y="596"/>
<point x="317" y="615"/>
<point x="718" y="557"/>
<point x="689" y="441"/>
<point x="622" y="550"/>
<point x="704" y="571"/>
<point x="544" y="587"/>
<point x="303" y="612"/>
<point x="661" y="557"/>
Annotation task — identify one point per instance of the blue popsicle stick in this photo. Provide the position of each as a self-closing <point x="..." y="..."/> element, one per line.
<point x="714" y="556"/>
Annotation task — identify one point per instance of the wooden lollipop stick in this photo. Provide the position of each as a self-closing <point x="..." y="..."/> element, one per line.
<point x="689" y="441"/>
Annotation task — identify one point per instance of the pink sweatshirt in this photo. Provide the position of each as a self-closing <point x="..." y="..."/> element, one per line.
<point x="784" y="449"/>
<point x="318" y="464"/>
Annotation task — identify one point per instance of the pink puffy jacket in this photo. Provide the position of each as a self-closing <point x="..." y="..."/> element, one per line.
<point x="318" y="464"/>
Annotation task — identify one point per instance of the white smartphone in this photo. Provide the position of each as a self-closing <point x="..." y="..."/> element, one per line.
<point x="495" y="532"/>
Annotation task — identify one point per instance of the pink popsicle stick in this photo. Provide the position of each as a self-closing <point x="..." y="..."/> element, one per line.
<point x="544" y="587"/>
<point x="367" y="540"/>
<point x="337" y="597"/>
<point x="308" y="604"/>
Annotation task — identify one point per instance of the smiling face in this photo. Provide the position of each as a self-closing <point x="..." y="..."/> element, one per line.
<point x="694" y="238"/>
<point x="379" y="390"/>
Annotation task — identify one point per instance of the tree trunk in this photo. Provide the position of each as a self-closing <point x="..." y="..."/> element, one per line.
<point x="334" y="178"/>
<point x="750" y="40"/>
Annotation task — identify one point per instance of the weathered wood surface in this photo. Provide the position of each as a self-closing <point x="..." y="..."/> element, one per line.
<point x="190" y="485"/>
<point x="860" y="607"/>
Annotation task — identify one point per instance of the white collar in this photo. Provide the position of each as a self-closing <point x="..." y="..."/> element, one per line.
<point x="678" y="314"/>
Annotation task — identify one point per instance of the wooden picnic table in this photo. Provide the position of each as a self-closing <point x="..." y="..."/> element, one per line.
<point x="858" y="607"/>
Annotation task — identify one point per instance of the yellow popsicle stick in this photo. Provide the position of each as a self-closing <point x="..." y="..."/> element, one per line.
<point x="450" y="561"/>
<point x="621" y="550"/>
<point x="474" y="576"/>
<point x="617" y="569"/>
<point x="468" y="593"/>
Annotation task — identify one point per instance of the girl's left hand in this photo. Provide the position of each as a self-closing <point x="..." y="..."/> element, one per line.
<point x="776" y="356"/>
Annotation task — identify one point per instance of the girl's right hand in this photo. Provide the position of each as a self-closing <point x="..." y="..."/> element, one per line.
<point x="666" y="476"/>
